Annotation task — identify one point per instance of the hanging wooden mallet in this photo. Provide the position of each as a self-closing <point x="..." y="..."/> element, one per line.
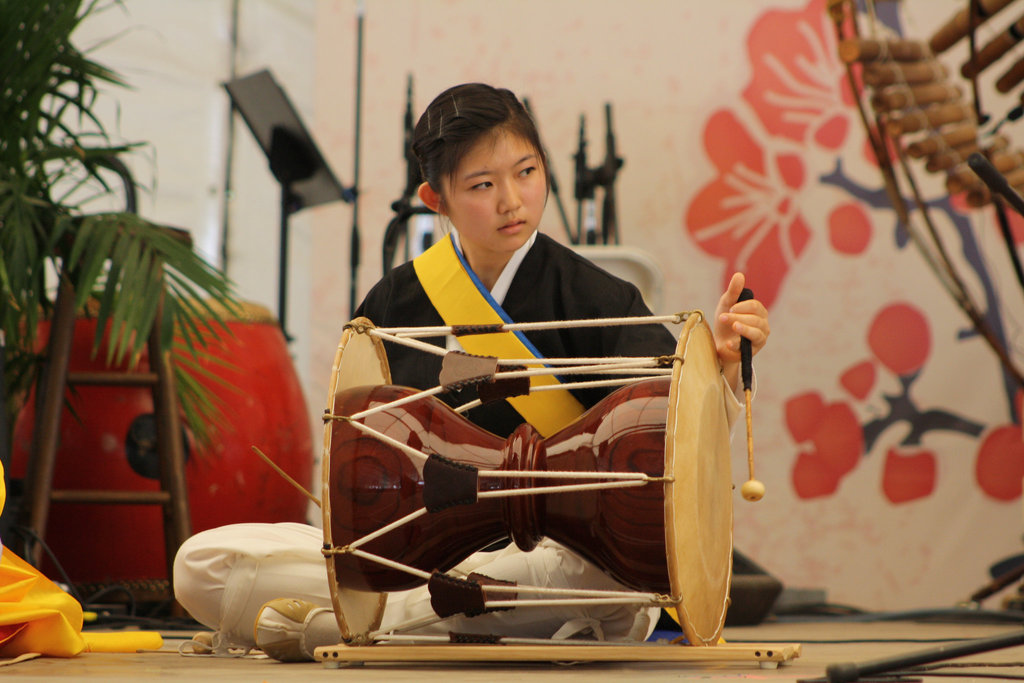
<point x="752" y="489"/>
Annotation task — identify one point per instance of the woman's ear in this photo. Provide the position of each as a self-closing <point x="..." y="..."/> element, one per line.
<point x="430" y="199"/>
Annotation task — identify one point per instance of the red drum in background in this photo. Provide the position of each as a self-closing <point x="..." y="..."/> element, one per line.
<point x="261" y="404"/>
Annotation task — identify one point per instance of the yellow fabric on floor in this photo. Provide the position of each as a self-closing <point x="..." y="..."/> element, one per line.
<point x="36" y="616"/>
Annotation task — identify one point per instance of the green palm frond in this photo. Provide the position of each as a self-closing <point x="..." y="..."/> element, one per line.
<point x="53" y="150"/>
<point x="134" y="266"/>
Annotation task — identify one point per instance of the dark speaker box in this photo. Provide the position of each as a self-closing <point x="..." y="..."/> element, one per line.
<point x="752" y="594"/>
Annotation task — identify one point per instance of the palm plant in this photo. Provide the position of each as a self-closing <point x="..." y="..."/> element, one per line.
<point x="53" y="150"/>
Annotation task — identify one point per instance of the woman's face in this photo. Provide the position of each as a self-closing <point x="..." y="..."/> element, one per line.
<point x="495" y="198"/>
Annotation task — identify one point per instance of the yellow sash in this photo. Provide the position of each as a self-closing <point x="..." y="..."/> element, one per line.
<point x="460" y="298"/>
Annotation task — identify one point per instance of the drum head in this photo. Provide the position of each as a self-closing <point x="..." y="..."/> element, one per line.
<point x="698" y="501"/>
<point x="359" y="361"/>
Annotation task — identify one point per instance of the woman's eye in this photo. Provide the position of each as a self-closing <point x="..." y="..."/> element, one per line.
<point x="528" y="170"/>
<point x="481" y="186"/>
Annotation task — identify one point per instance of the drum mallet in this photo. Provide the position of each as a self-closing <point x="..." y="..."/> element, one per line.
<point x="752" y="489"/>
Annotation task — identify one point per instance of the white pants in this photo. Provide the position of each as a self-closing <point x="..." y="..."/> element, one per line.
<point x="225" y="575"/>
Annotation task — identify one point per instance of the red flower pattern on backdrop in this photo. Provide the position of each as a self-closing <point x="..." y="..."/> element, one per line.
<point x="849" y="229"/>
<point x="749" y="214"/>
<point x="833" y="440"/>
<point x="999" y="467"/>
<point x="908" y="476"/>
<point x="798" y="88"/>
<point x="900" y="338"/>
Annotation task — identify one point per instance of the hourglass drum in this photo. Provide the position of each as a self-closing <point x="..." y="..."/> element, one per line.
<point x="639" y="485"/>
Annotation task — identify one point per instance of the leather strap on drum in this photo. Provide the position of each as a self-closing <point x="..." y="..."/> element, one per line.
<point x="473" y="638"/>
<point x="460" y="298"/>
<point x="447" y="483"/>
<point x="450" y="595"/>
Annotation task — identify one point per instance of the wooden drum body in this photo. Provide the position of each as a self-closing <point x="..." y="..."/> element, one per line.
<point x="670" y="536"/>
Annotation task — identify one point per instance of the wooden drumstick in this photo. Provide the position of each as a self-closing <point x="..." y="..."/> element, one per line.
<point x="939" y="140"/>
<point x="284" y="475"/>
<point x="941" y="161"/>
<point x="995" y="49"/>
<point x="960" y="25"/>
<point x="867" y="50"/>
<point x="752" y="489"/>
<point x="901" y="96"/>
<point x="877" y="74"/>
<point x="930" y="118"/>
<point x="1009" y="80"/>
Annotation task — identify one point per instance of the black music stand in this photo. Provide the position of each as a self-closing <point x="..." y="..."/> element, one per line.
<point x="305" y="178"/>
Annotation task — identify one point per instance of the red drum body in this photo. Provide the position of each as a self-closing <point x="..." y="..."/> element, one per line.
<point x="261" y="404"/>
<point x="374" y="483"/>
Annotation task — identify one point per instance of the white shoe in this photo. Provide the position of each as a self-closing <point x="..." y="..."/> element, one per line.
<point x="200" y="644"/>
<point x="211" y="643"/>
<point x="281" y="626"/>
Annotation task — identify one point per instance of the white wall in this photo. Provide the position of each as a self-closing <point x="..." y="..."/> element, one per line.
<point x="175" y="58"/>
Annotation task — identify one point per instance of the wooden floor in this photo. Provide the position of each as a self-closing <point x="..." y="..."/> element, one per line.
<point x="822" y="643"/>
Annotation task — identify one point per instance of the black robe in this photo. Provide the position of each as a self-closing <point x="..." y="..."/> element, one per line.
<point x="552" y="283"/>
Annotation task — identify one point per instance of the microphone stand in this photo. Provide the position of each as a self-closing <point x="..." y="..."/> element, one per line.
<point x="586" y="225"/>
<point x="848" y="672"/>
<point x="1007" y="233"/>
<point x="290" y="163"/>
<point x="354" y="243"/>
<point x="606" y="175"/>
<point x="404" y="207"/>
<point x="1001" y="189"/>
<point x="587" y="181"/>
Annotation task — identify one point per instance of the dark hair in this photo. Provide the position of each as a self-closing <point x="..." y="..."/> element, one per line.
<point x="458" y="118"/>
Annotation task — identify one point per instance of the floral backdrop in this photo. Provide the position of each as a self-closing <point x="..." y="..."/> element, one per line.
<point x="790" y="140"/>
